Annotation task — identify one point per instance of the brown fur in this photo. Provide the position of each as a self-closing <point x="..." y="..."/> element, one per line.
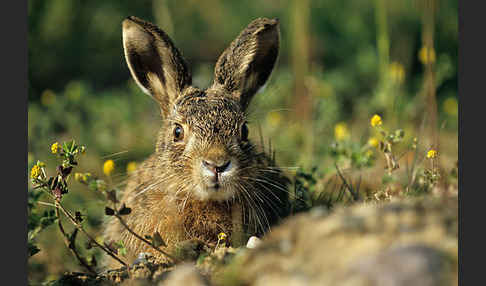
<point x="172" y="192"/>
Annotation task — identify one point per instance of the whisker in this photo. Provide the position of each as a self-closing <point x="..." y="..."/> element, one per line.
<point x="114" y="154"/>
<point x="259" y="210"/>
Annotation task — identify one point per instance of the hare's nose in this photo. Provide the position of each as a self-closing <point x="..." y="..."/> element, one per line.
<point x="216" y="167"/>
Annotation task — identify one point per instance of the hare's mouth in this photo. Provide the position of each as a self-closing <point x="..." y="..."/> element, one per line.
<point x="215" y="179"/>
<point x="218" y="191"/>
<point x="214" y="187"/>
<point x="214" y="192"/>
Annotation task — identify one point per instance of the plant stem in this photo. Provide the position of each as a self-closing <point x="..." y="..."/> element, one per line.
<point x="72" y="246"/>
<point x="80" y="227"/>
<point x="353" y="194"/>
<point x="144" y="240"/>
<point x="429" y="88"/>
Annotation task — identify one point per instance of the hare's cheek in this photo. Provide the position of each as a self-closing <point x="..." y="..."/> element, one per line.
<point x="175" y="153"/>
<point x="191" y="146"/>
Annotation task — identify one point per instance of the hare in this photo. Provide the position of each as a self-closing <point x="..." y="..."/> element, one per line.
<point x="205" y="176"/>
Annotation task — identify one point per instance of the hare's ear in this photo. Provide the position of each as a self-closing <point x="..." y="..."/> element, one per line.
<point x="248" y="62"/>
<point x="154" y="62"/>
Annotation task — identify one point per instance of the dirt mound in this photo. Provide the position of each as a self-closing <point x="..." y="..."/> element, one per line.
<point x="405" y="242"/>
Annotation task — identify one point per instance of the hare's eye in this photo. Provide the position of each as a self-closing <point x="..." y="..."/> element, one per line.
<point x="178" y="133"/>
<point x="244" y="132"/>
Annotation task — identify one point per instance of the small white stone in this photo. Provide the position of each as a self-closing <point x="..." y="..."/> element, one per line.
<point x="142" y="258"/>
<point x="253" y="242"/>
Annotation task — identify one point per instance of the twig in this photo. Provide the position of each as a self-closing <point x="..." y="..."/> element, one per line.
<point x="71" y="245"/>
<point x="144" y="240"/>
<point x="415" y="155"/>
<point x="46" y="204"/>
<point x="342" y="190"/>
<point x="359" y="184"/>
<point x="353" y="194"/>
<point x="80" y="227"/>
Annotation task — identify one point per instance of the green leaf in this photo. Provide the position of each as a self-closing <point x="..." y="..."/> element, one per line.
<point x="201" y="258"/>
<point x="93" y="185"/>
<point x="33" y="249"/>
<point x="78" y="216"/>
<point x="109" y="211"/>
<point x="157" y="240"/>
<point x="47" y="219"/>
<point x="71" y="145"/>
<point x="123" y="251"/>
<point x="124" y="210"/>
<point x="65" y="147"/>
<point x="121" y="248"/>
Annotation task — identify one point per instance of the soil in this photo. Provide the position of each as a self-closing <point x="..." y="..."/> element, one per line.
<point x="403" y="242"/>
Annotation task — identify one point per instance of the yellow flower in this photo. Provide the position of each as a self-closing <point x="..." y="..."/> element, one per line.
<point x="35" y="172"/>
<point x="427" y="55"/>
<point x="431" y="154"/>
<point x="82" y="177"/>
<point x="222" y="236"/>
<point x="274" y="119"/>
<point x="341" y="131"/>
<point x="48" y="97"/>
<point x="450" y="106"/>
<point x="397" y="72"/>
<point x="108" y="167"/>
<point x="131" y="166"/>
<point x="373" y="142"/>
<point x="54" y="148"/>
<point x="376" y="120"/>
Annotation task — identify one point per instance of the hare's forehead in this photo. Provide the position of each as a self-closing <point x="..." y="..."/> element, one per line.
<point x="207" y="112"/>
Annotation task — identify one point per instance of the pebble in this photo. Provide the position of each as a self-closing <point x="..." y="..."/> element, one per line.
<point x="253" y="242"/>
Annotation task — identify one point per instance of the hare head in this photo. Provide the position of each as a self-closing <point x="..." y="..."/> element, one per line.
<point x="203" y="146"/>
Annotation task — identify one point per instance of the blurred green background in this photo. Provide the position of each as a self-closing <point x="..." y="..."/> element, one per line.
<point x="340" y="62"/>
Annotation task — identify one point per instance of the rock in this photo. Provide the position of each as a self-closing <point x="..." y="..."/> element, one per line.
<point x="400" y="266"/>
<point x="406" y="242"/>
<point x="211" y="263"/>
<point x="253" y="242"/>
<point x="184" y="274"/>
